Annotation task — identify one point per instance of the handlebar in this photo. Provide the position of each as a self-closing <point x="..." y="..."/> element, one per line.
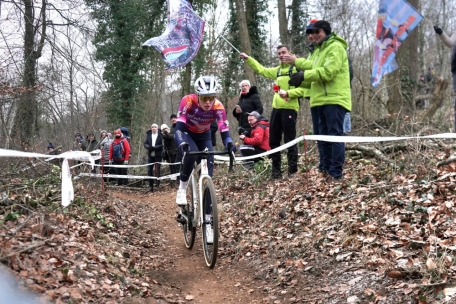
<point x="207" y="153"/>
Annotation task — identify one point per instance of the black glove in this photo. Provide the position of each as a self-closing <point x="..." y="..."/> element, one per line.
<point x="296" y="79"/>
<point x="438" y="30"/>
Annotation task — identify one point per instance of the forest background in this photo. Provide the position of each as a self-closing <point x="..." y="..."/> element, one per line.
<point x="78" y="66"/>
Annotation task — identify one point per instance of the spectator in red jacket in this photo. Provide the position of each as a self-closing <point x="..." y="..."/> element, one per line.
<point x="258" y="140"/>
<point x="119" y="153"/>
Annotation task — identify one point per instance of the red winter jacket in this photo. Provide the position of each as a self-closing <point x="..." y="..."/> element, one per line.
<point x="125" y="152"/>
<point x="259" y="136"/>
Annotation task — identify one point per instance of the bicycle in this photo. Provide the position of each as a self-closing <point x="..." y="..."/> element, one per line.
<point x="201" y="197"/>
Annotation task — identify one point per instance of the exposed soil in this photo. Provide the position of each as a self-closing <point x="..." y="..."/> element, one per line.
<point x="185" y="275"/>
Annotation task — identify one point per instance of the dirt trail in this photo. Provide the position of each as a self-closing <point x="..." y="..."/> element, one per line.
<point x="187" y="274"/>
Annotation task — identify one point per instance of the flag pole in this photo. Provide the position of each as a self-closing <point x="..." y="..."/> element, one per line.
<point x="230" y="44"/>
<point x="427" y="20"/>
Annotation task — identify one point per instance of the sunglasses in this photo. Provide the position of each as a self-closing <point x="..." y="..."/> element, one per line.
<point x="206" y="98"/>
<point x="310" y="32"/>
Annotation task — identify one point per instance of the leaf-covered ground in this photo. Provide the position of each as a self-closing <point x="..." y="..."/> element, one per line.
<point x="384" y="235"/>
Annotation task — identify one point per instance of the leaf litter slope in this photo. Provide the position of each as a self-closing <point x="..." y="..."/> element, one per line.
<point x="123" y="248"/>
<point x="379" y="237"/>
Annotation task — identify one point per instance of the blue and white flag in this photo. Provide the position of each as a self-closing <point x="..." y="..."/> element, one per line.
<point x="396" y="19"/>
<point x="183" y="36"/>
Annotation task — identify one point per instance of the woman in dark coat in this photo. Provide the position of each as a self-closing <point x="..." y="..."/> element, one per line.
<point x="249" y="101"/>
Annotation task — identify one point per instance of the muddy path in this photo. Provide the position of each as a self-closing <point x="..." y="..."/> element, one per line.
<point x="186" y="274"/>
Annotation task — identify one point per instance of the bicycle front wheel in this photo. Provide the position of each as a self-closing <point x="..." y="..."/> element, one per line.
<point x="210" y="226"/>
<point x="189" y="227"/>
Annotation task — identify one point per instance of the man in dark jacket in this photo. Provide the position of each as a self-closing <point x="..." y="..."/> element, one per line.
<point x="258" y="140"/>
<point x="79" y="143"/>
<point x="169" y="148"/>
<point x="154" y="147"/>
<point x="249" y="101"/>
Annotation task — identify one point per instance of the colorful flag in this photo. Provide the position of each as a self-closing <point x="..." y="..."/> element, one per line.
<point x="396" y="19"/>
<point x="182" y="38"/>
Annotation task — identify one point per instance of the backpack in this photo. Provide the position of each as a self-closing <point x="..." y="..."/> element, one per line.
<point x="118" y="150"/>
<point x="126" y="135"/>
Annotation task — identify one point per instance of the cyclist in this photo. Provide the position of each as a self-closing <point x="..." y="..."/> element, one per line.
<point x="193" y="132"/>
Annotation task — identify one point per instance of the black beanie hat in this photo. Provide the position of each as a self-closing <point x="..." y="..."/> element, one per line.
<point x="173" y="116"/>
<point x="324" y="25"/>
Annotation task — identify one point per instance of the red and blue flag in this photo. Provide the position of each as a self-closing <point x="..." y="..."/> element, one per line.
<point x="183" y="36"/>
<point x="396" y="19"/>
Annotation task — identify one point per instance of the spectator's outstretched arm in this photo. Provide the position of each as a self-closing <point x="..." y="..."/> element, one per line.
<point x="448" y="41"/>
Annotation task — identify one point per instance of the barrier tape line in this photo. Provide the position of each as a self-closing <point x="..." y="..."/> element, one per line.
<point x="67" y="185"/>
<point x="344" y="139"/>
<point x="170" y="176"/>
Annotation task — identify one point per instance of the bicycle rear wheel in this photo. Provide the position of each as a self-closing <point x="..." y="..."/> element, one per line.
<point x="189" y="227"/>
<point x="210" y="203"/>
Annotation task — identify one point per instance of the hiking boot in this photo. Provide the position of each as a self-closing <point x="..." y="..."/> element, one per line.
<point x="209" y="234"/>
<point x="275" y="175"/>
<point x="181" y="197"/>
<point x="322" y="173"/>
<point x="335" y="180"/>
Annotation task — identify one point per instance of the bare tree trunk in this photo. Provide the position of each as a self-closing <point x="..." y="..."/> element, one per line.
<point x="437" y="99"/>
<point x="25" y="121"/>
<point x="244" y="38"/>
<point x="283" y="22"/>
<point x="186" y="83"/>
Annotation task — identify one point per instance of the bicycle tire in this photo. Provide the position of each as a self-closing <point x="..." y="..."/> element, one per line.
<point x="189" y="228"/>
<point x="210" y="250"/>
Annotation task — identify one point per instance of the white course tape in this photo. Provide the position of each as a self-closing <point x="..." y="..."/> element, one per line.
<point x="345" y="139"/>
<point x="170" y="176"/>
<point x="67" y="186"/>
<point x="134" y="166"/>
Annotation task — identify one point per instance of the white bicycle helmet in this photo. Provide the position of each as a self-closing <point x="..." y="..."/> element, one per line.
<point x="206" y="86"/>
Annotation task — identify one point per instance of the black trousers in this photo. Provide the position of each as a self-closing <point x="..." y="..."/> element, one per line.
<point x="283" y="121"/>
<point x="120" y="171"/>
<point x="154" y="170"/>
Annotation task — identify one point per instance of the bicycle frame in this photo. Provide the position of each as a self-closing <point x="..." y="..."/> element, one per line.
<point x="203" y="203"/>
<point x="197" y="187"/>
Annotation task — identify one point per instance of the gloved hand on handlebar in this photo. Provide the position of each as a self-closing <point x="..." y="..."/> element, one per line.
<point x="184" y="147"/>
<point x="230" y="147"/>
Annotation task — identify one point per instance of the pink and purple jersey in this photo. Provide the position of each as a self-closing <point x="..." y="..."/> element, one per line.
<point x="196" y="119"/>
